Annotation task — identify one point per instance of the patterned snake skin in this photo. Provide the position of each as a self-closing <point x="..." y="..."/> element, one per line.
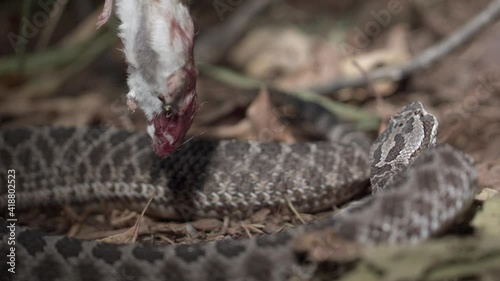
<point x="419" y="190"/>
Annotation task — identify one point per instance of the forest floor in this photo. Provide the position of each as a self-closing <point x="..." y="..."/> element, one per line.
<point x="297" y="44"/>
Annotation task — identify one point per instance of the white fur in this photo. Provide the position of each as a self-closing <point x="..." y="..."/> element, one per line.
<point x="129" y="12"/>
<point x="151" y="130"/>
<point x="172" y="54"/>
<point x="141" y="93"/>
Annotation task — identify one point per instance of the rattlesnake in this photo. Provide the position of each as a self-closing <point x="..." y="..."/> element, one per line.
<point x="419" y="189"/>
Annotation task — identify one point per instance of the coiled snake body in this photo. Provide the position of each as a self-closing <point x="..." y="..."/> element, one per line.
<point x="419" y="189"/>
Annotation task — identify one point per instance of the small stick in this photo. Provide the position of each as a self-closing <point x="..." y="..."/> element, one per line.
<point x="244" y="226"/>
<point x="295" y="212"/>
<point x="225" y="225"/>
<point x="379" y="102"/>
<point x="369" y="83"/>
<point x="425" y="59"/>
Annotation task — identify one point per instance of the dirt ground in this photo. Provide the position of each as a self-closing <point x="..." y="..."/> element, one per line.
<point x="462" y="90"/>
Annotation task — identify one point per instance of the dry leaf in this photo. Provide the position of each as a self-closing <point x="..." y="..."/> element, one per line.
<point x="487" y="220"/>
<point x="489" y="173"/>
<point x="269" y="51"/>
<point x="322" y="68"/>
<point x="288" y="56"/>
<point x="121" y="218"/>
<point x="324" y="245"/>
<point x="208" y="224"/>
<point x="396" y="52"/>
<point x="172" y="227"/>
<point x="261" y="123"/>
<point x="129" y="236"/>
<point x="486" y="194"/>
<point x="266" y="124"/>
<point x="241" y="130"/>
<point x="272" y="228"/>
<point x="260" y="216"/>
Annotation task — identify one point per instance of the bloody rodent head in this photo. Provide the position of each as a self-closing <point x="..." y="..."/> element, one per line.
<point x="170" y="126"/>
<point x="158" y="44"/>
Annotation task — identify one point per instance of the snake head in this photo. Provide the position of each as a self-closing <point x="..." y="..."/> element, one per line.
<point x="417" y="125"/>
<point x="408" y="133"/>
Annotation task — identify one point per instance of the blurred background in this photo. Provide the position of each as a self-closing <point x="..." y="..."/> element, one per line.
<point x="57" y="69"/>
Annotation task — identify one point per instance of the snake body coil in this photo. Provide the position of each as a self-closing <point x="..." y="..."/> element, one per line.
<point x="419" y="189"/>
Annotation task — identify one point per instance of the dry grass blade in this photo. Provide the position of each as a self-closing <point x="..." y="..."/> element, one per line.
<point x="295" y="212"/>
<point x="129" y="236"/>
<point x="426" y="58"/>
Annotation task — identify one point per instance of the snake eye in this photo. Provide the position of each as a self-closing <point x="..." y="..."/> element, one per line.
<point x="417" y="112"/>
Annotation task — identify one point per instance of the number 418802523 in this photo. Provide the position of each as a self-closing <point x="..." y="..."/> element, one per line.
<point x="11" y="189"/>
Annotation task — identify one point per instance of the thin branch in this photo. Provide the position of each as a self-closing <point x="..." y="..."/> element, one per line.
<point x="425" y="59"/>
<point x="370" y="85"/>
<point x="295" y="212"/>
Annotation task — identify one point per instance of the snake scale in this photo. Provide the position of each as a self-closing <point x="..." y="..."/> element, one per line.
<point x="418" y="189"/>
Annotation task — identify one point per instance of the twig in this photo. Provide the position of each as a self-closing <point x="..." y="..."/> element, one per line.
<point x="165" y="238"/>
<point x="244" y="226"/>
<point x="295" y="212"/>
<point x="369" y="82"/>
<point x="379" y="102"/>
<point x="131" y="234"/>
<point x="212" y="45"/>
<point x="225" y="225"/>
<point x="425" y="59"/>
